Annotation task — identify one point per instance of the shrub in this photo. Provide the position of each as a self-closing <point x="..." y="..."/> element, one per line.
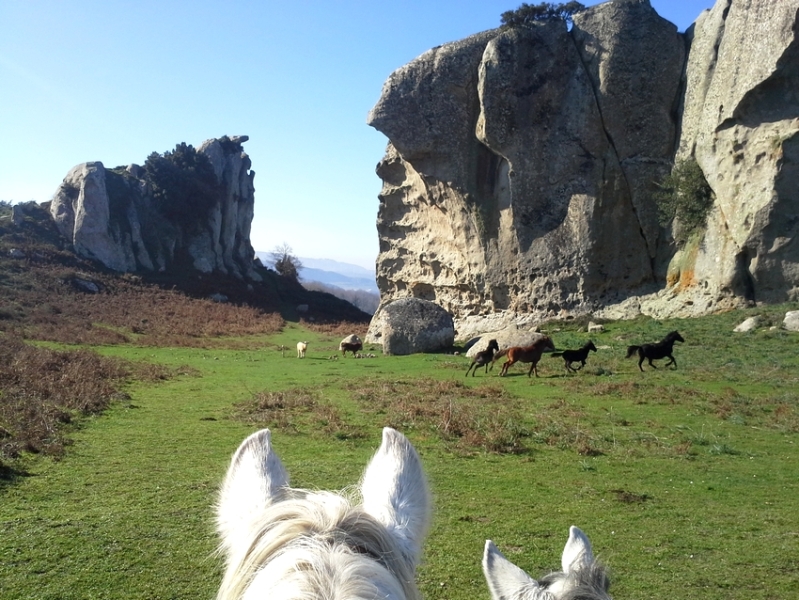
<point x="183" y="183"/>
<point x="685" y="197"/>
<point x="286" y="263"/>
<point x="527" y="14"/>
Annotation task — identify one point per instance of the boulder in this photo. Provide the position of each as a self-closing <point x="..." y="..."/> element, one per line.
<point x="749" y="324"/>
<point x="595" y="327"/>
<point x="411" y="325"/>
<point x="791" y="320"/>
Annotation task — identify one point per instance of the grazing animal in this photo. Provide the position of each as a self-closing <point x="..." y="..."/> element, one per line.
<point x="582" y="576"/>
<point x="301" y="348"/>
<point x="661" y="349"/>
<point x="483" y="357"/>
<point x="526" y="354"/>
<point x="351" y="343"/>
<point x="285" y="543"/>
<point x="573" y="356"/>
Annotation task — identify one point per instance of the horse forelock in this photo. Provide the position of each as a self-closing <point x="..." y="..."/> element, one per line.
<point x="590" y="582"/>
<point x="319" y="545"/>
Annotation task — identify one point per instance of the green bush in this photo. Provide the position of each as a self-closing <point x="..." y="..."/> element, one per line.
<point x="527" y="14"/>
<point x="684" y="196"/>
<point x="183" y="183"/>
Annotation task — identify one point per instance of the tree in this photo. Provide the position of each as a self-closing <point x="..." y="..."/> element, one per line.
<point x="286" y="264"/>
<point x="685" y="197"/>
<point x="527" y="14"/>
<point x="183" y="183"/>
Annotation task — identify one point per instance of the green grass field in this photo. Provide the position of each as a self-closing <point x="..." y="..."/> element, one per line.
<point x="685" y="480"/>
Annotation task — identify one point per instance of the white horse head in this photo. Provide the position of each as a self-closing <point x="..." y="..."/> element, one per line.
<point x="582" y="577"/>
<point x="284" y="543"/>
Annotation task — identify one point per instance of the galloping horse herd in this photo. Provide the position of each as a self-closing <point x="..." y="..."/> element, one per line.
<point x="281" y="542"/>
<point x="532" y="354"/>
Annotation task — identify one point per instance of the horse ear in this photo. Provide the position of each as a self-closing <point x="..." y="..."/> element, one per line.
<point x="254" y="480"/>
<point x="577" y="553"/>
<point x="505" y="580"/>
<point x="395" y="492"/>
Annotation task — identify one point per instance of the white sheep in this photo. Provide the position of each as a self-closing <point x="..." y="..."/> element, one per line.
<point x="301" y="348"/>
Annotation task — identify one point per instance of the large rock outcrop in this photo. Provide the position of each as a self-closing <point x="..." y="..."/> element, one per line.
<point x="521" y="165"/>
<point x="113" y="216"/>
<point x="741" y="124"/>
<point x="521" y="162"/>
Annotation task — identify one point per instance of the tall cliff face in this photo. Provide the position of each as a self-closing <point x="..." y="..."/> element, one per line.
<point x="741" y="123"/>
<point x="113" y="216"/>
<point x="521" y="164"/>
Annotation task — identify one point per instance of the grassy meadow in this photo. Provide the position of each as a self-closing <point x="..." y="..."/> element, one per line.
<point x="686" y="480"/>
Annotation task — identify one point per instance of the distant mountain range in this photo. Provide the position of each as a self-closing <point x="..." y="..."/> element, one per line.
<point x="332" y="272"/>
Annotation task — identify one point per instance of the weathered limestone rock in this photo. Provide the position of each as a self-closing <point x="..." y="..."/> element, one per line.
<point x="748" y="325"/>
<point x="637" y="85"/>
<point x="741" y="124"/>
<point x="112" y="217"/>
<point x="519" y="163"/>
<point x="82" y="212"/>
<point x="791" y="320"/>
<point x="411" y="325"/>
<point x="521" y="166"/>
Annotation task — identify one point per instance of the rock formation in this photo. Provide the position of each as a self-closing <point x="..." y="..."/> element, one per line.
<point x="411" y="325"/>
<point x="741" y="123"/>
<point x="521" y="165"/>
<point x="115" y="217"/>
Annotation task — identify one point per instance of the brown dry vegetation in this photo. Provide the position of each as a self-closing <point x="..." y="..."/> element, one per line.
<point x="343" y="328"/>
<point x="42" y="391"/>
<point x="484" y="418"/>
<point x="43" y="297"/>
<point x="48" y="293"/>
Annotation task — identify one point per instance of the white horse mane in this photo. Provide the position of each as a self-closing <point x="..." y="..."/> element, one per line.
<point x="284" y="543"/>
<point x="582" y="577"/>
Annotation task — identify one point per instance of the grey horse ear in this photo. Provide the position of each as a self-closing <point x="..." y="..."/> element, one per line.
<point x="505" y="580"/>
<point x="255" y="479"/>
<point x="577" y="553"/>
<point x="395" y="492"/>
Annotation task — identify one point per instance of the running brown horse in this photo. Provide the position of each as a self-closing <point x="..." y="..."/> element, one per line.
<point x="483" y="358"/>
<point x="661" y="349"/>
<point x="526" y="354"/>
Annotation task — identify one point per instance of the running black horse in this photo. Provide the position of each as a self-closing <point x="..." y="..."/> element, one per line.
<point x="483" y="358"/>
<point x="661" y="349"/>
<point x="573" y="356"/>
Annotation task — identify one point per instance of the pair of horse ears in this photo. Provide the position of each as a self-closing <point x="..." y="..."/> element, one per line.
<point x="506" y="581"/>
<point x="393" y="486"/>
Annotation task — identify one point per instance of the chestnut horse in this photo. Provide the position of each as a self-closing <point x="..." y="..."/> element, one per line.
<point x="526" y="354"/>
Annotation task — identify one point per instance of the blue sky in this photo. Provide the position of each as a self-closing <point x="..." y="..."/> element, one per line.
<point x="116" y="80"/>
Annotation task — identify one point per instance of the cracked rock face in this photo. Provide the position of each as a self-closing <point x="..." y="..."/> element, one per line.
<point x="520" y="163"/>
<point x="741" y="123"/>
<point x="112" y="217"/>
